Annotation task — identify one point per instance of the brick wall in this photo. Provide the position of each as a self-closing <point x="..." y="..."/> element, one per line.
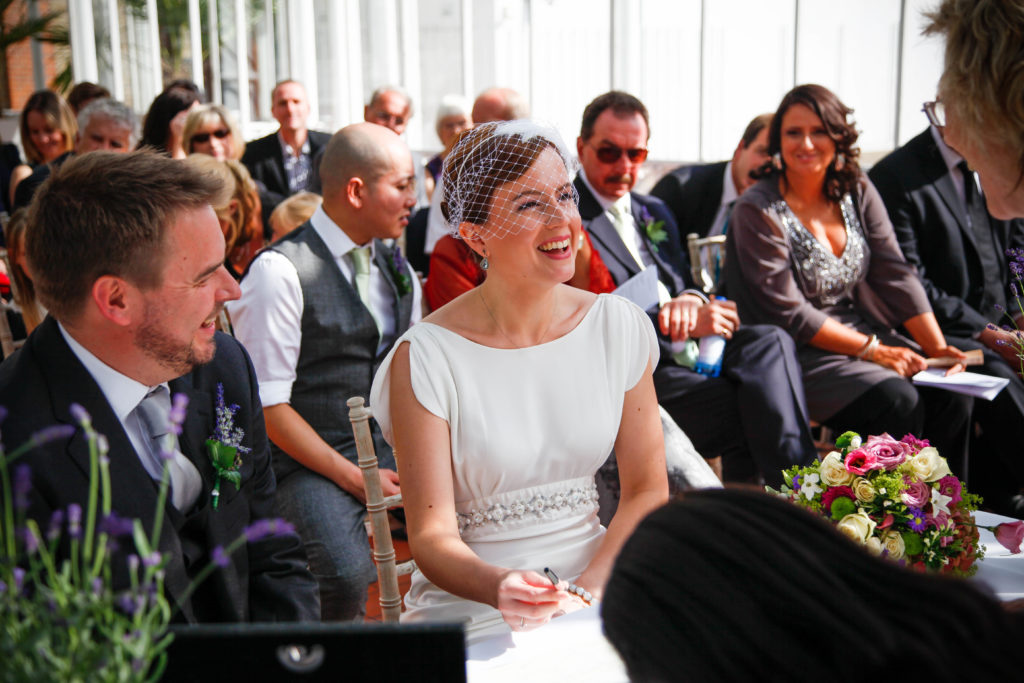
<point x="19" y="57"/>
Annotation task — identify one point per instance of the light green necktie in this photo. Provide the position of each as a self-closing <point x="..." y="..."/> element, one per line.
<point x="361" y="266"/>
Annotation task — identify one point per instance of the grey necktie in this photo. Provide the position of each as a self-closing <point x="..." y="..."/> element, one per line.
<point x="186" y="483"/>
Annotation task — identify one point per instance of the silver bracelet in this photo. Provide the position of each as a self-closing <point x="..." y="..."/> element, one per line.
<point x="867" y="352"/>
<point x="581" y="593"/>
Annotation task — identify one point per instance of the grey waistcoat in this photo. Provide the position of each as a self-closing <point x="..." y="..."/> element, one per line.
<point x="338" y="355"/>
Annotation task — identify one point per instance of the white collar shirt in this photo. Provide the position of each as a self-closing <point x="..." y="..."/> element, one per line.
<point x="729" y="196"/>
<point x="267" y="319"/>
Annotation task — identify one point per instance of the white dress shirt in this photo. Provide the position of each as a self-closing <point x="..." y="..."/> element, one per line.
<point x="123" y="394"/>
<point x="729" y="195"/>
<point x="268" y="317"/>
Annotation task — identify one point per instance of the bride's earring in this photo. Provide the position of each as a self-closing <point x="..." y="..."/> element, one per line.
<point x="484" y="265"/>
<point x="777" y="161"/>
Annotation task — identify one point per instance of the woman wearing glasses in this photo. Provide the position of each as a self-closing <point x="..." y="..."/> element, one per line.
<point x="211" y="129"/>
<point x="811" y="249"/>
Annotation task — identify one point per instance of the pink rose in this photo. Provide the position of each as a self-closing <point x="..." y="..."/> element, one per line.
<point x="1010" y="535"/>
<point x="861" y="462"/>
<point x="888" y="452"/>
<point x="917" y="494"/>
<point x="915" y="443"/>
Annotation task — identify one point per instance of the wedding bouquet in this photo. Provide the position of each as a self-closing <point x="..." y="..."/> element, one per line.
<point x="898" y="498"/>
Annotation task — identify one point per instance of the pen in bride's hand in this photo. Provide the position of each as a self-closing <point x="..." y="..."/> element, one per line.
<point x="552" y="577"/>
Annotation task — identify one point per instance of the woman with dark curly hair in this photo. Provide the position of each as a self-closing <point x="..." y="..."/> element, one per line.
<point x="811" y="249"/>
<point x="734" y="585"/>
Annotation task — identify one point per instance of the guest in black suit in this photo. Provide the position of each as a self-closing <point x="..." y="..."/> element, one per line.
<point x="701" y="196"/>
<point x="128" y="256"/>
<point x="756" y="407"/>
<point x="283" y="161"/>
<point x="945" y="231"/>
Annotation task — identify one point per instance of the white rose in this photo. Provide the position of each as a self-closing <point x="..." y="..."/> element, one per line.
<point x="928" y="465"/>
<point x="892" y="540"/>
<point x="857" y="527"/>
<point x="874" y="545"/>
<point x="864" y="490"/>
<point x="833" y="471"/>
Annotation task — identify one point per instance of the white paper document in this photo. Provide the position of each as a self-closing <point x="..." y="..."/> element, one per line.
<point x="641" y="289"/>
<point x="970" y="383"/>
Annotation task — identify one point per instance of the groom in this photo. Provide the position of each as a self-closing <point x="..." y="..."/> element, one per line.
<point x="127" y="255"/>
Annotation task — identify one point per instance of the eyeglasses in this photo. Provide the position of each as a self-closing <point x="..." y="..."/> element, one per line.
<point x="936" y="113"/>
<point x="202" y="138"/>
<point x="609" y="154"/>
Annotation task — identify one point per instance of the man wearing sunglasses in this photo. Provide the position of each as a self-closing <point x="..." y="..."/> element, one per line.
<point x="755" y="408"/>
<point x="942" y="221"/>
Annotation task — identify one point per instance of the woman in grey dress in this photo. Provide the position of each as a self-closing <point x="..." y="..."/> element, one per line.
<point x="811" y="249"/>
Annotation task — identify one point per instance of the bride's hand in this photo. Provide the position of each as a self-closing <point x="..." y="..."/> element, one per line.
<point x="527" y="600"/>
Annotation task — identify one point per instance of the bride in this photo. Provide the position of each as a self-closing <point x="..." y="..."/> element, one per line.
<point x="505" y="402"/>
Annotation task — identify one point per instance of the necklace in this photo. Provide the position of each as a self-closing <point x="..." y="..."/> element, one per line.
<point x="547" y="329"/>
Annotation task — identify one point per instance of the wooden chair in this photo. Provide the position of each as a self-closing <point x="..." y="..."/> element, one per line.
<point x="377" y="506"/>
<point x="707" y="259"/>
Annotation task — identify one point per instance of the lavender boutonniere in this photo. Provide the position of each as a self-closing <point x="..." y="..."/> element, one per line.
<point x="399" y="271"/>
<point x="225" y="446"/>
<point x="654" y="230"/>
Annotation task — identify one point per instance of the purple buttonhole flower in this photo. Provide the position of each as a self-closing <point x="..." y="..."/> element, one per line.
<point x="220" y="558"/>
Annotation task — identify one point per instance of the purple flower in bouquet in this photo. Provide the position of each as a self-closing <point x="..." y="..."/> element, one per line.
<point x="113" y="525"/>
<point x="75" y="520"/>
<point x="917" y="494"/>
<point x="262" y="528"/>
<point x="915" y="443"/>
<point x="888" y="452"/>
<point x="861" y="462"/>
<point x="1010" y="535"/>
<point x="918" y="521"/>
<point x="56" y="521"/>
<point x="220" y="558"/>
<point x="951" y="486"/>
<point x="22" y="486"/>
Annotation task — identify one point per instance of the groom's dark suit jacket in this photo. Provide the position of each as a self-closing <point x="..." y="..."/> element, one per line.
<point x="267" y="580"/>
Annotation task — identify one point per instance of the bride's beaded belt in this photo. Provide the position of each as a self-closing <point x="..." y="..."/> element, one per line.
<point x="576" y="497"/>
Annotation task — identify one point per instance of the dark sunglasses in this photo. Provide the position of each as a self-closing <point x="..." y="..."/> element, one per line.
<point x="609" y="154"/>
<point x="220" y="134"/>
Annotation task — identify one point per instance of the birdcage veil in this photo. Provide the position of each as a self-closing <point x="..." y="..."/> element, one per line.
<point x="489" y="158"/>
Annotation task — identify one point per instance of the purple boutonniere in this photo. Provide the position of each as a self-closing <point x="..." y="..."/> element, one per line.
<point x="399" y="271"/>
<point x="654" y="230"/>
<point x="225" y="446"/>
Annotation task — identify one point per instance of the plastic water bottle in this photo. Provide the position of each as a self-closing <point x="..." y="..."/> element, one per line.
<point x="711" y="348"/>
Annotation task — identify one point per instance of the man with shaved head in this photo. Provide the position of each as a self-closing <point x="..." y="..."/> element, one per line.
<point x="319" y="310"/>
<point x="499" y="104"/>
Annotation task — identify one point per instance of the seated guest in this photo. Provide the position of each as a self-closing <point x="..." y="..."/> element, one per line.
<point x="293" y="212"/>
<point x="283" y="160"/>
<point x="489" y="502"/>
<point x="212" y="129"/>
<point x="734" y="585"/>
<point x="493" y="104"/>
<point x="32" y="311"/>
<point x="701" y="197"/>
<point x="979" y="94"/>
<point x="164" y="125"/>
<point x="237" y="206"/>
<point x="83" y="93"/>
<point x="127" y="255"/>
<point x="754" y="411"/>
<point x="47" y="128"/>
<point x="959" y="249"/>
<point x="103" y="124"/>
<point x="391" y="106"/>
<point x="453" y="117"/>
<point x="812" y="250"/>
<point x="320" y="309"/>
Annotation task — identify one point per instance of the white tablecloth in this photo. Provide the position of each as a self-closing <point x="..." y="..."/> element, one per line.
<point x="572" y="648"/>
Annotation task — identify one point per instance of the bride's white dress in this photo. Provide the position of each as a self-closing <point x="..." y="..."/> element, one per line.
<point x="529" y="429"/>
